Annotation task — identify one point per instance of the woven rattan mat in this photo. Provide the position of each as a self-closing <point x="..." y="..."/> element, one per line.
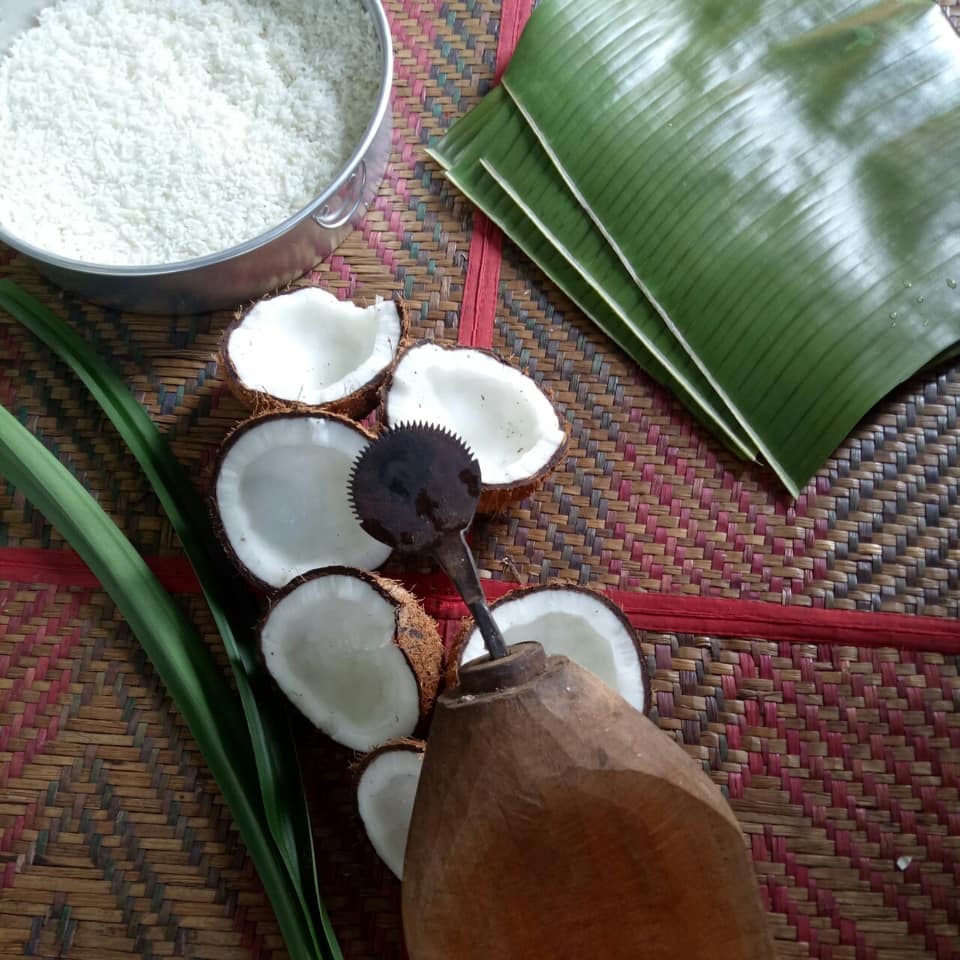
<point x="840" y="762"/>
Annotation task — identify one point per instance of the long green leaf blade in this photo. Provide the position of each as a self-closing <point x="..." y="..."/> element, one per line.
<point x="180" y="657"/>
<point x="787" y="168"/>
<point x="266" y="718"/>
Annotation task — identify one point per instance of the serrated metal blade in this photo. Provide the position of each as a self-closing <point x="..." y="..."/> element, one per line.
<point x="413" y="484"/>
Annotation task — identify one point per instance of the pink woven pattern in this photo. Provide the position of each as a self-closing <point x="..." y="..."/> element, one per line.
<point x="113" y="841"/>
<point x="843" y="766"/>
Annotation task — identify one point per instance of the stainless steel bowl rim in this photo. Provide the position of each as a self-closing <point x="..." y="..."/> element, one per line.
<point x="376" y="10"/>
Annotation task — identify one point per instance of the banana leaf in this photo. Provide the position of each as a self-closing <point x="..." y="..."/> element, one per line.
<point x="265" y="733"/>
<point x="182" y="660"/>
<point x="555" y="232"/>
<point x="775" y="179"/>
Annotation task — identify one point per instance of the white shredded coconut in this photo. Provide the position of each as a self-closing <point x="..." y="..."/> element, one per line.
<point x="152" y="131"/>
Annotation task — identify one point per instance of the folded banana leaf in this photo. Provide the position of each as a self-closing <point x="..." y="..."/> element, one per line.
<point x="559" y="236"/>
<point x="776" y="179"/>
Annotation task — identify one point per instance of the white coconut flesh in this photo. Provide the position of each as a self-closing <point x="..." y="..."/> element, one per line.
<point x="330" y="645"/>
<point x="574" y="624"/>
<point x="385" y="796"/>
<point x="282" y="496"/>
<point x="309" y="347"/>
<point x="502" y="415"/>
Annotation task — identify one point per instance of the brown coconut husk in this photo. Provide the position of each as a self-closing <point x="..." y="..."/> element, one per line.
<point x="494" y="497"/>
<point x="355" y="405"/>
<point x="415" y="631"/>
<point x="451" y="670"/>
<point x="238" y="431"/>
<point x="359" y="766"/>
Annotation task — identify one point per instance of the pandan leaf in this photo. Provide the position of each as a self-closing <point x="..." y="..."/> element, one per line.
<point x="182" y="660"/>
<point x="544" y="219"/>
<point x="269" y="737"/>
<point x="777" y="181"/>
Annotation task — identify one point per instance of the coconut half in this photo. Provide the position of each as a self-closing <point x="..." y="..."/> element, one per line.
<point x="281" y="497"/>
<point x="499" y="412"/>
<point x="307" y="349"/>
<point x="573" y="622"/>
<point x="355" y="653"/>
<point x="386" y="791"/>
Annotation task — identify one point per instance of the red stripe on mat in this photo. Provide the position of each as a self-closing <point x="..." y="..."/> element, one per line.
<point x="670" y="613"/>
<point x="674" y="613"/>
<point x="64" y="568"/>
<point x="478" y="308"/>
<point x="514" y="15"/>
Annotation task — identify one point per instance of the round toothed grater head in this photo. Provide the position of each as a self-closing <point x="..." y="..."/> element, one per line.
<point x="415" y="488"/>
<point x="413" y="485"/>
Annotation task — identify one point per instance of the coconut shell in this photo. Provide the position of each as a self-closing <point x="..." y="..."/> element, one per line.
<point x="415" y="632"/>
<point x="355" y="405"/>
<point x="403" y="748"/>
<point x="451" y="660"/>
<point x="231" y="438"/>
<point x="494" y="497"/>
<point x="451" y="672"/>
<point x="404" y="743"/>
<point x="419" y="639"/>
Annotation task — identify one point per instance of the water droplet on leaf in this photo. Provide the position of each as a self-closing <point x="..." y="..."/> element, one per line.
<point x="921" y="299"/>
<point x="893" y="316"/>
<point x="907" y="284"/>
<point x="951" y="283"/>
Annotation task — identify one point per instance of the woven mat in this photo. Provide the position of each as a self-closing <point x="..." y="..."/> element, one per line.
<point x="113" y="839"/>
<point x="842" y="764"/>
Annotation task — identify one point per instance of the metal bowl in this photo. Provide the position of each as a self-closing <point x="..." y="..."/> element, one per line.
<point x="247" y="270"/>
